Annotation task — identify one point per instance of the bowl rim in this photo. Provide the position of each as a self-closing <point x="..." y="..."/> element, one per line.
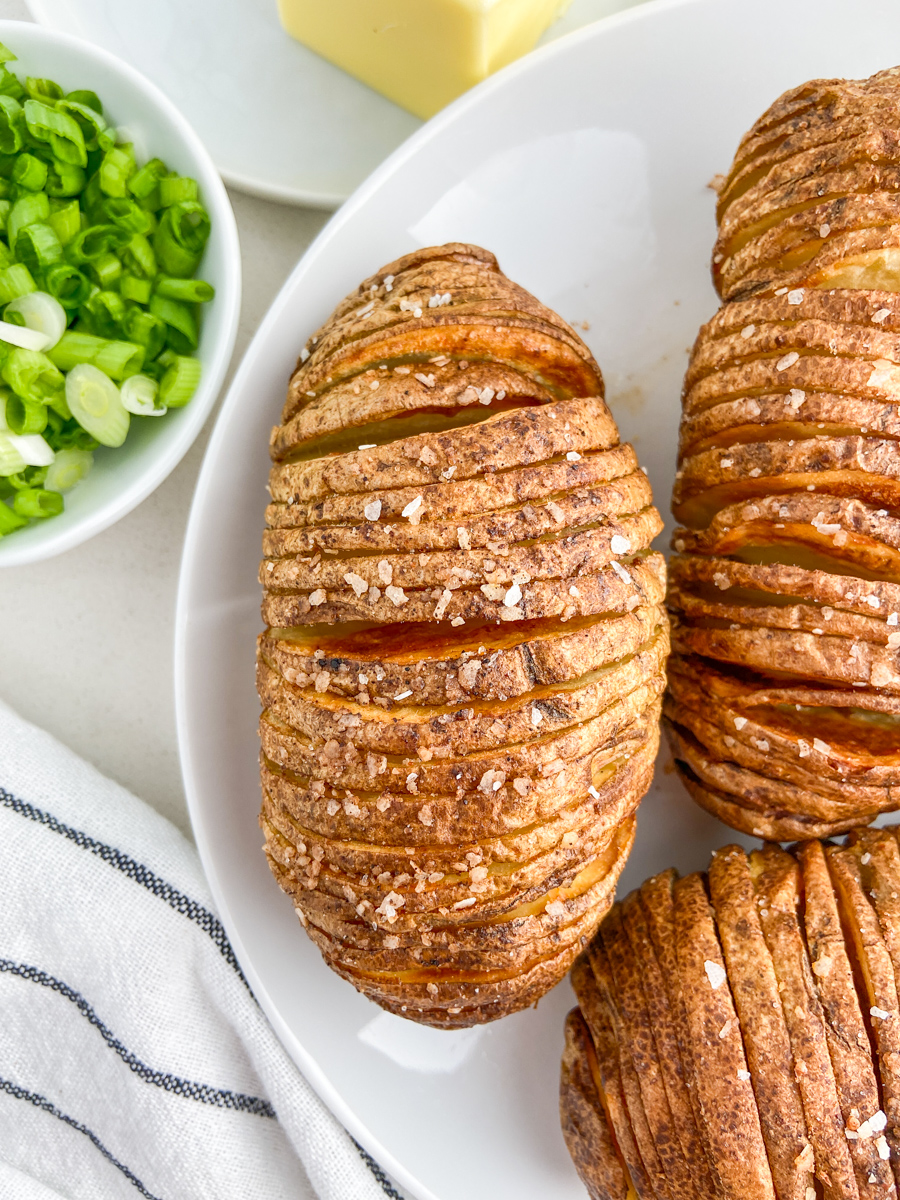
<point x="228" y="298"/>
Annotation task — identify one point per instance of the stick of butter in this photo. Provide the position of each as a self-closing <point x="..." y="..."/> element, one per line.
<point x="419" y="53"/>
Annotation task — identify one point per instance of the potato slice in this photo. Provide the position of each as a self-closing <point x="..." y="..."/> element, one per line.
<point x="665" y="1151"/>
<point x="776" y="879"/>
<point x="596" y="1007"/>
<point x="848" y="1041"/>
<point x="754" y="986"/>
<point x="724" y="1091"/>
<point x="878" y="983"/>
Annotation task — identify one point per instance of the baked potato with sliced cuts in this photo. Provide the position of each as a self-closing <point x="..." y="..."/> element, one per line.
<point x="784" y="590"/>
<point x="464" y="655"/>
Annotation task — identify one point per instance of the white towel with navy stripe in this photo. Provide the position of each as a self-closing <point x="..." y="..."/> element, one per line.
<point x="134" y="1061"/>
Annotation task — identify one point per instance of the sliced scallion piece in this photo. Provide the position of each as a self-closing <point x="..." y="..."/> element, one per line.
<point x="15" y="281"/>
<point x="116" y="169"/>
<point x="30" y="173"/>
<point x="35" y="450"/>
<point x="28" y="210"/>
<point x="60" y="130"/>
<point x="181" y="237"/>
<point x="145" y="182"/>
<point x="70" y="466"/>
<point x="118" y="359"/>
<point x="65" y="221"/>
<point x="12" y="126"/>
<point x="9" y="520"/>
<point x="41" y="313"/>
<point x="64" y="179"/>
<point x="135" y="289"/>
<point x="176" y="188"/>
<point x="96" y="404"/>
<point x="11" y="461"/>
<point x="38" y="247"/>
<point x="182" y="332"/>
<point x="188" y="291"/>
<point x="25" y="416"/>
<point x="19" y="335"/>
<point x="139" y="393"/>
<point x="38" y="503"/>
<point x="31" y="375"/>
<point x="70" y="287"/>
<point x="179" y="382"/>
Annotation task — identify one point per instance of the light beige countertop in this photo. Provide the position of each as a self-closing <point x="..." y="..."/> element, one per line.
<point x="86" y="638"/>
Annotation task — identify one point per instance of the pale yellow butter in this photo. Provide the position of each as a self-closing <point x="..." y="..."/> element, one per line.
<point x="420" y="53"/>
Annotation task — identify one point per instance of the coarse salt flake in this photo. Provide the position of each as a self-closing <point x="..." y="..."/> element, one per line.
<point x="357" y="582"/>
<point x="739" y="722"/>
<point x="573" y="456"/>
<point x="413" y="507"/>
<point x="880" y="1013"/>
<point x="787" y="360"/>
<point x="795" y="296"/>
<point x="744" y="1076"/>
<point x="619" y="544"/>
<point x="748" y="331"/>
<point x="715" y="973"/>
<point x="396" y="595"/>
<point x="372" y="510"/>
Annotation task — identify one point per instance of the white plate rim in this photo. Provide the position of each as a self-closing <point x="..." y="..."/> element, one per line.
<point x="109" y="514"/>
<point x="432" y="129"/>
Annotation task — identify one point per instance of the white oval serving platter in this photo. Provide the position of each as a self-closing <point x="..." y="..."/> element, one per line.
<point x="585" y="168"/>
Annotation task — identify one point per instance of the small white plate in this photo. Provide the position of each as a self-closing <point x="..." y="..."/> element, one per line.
<point x="585" y="168"/>
<point x="278" y="120"/>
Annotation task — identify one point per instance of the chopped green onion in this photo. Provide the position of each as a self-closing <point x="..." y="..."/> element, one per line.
<point x="9" y="520"/>
<point x="188" y="291"/>
<point x="12" y="125"/>
<point x="6" y="55"/>
<point x="94" y="129"/>
<point x="86" y="97"/>
<point x="28" y="210"/>
<point x="31" y="375"/>
<point x="145" y="182"/>
<point x="127" y="214"/>
<point x="117" y="359"/>
<point x="139" y="394"/>
<point x="60" y="130"/>
<point x="38" y="247"/>
<point x="69" y="467"/>
<point x="116" y="169"/>
<point x="96" y="404"/>
<point x="137" y="290"/>
<point x="68" y="285"/>
<point x="9" y="85"/>
<point x="42" y="313"/>
<point x="15" y="334"/>
<point x="15" y="281"/>
<point x="107" y="270"/>
<point x="139" y="257"/>
<point x="11" y="461"/>
<point x="96" y="241"/>
<point x="64" y="179"/>
<point x="38" y="503"/>
<point x="30" y="173"/>
<point x="106" y="312"/>
<point x="43" y="89"/>
<point x="25" y="416"/>
<point x="179" y="382"/>
<point x="65" y="221"/>
<point x="147" y="330"/>
<point x="176" y="188"/>
<point x="181" y="237"/>
<point x="180" y="320"/>
<point x="35" y="450"/>
<point x="5" y="208"/>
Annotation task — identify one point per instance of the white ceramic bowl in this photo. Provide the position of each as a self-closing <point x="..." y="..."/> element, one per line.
<point x="122" y="478"/>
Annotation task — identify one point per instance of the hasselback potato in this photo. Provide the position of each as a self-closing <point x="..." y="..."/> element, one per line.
<point x="465" y="642"/>
<point x="784" y="697"/>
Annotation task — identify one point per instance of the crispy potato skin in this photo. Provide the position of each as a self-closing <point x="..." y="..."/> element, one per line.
<point x="735" y="1034"/>
<point x="464" y="656"/>
<point x="785" y="586"/>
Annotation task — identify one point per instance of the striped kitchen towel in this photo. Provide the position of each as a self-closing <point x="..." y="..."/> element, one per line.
<point x="134" y="1061"/>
